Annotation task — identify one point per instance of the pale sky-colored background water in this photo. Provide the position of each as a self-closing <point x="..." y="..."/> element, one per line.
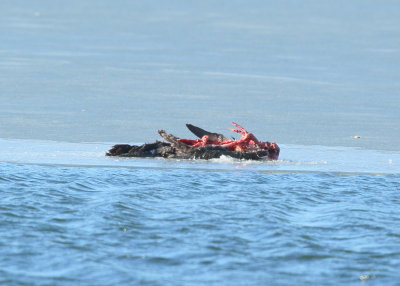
<point x="296" y="72"/>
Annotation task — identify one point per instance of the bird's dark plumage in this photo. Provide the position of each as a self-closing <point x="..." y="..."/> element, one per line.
<point x="201" y="132"/>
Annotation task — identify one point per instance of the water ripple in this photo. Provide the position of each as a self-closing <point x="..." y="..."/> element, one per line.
<point x="86" y="224"/>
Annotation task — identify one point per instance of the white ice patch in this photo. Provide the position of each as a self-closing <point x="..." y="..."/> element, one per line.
<point x="296" y="158"/>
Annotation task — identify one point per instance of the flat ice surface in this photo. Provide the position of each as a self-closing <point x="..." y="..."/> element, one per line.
<point x="296" y="72"/>
<point x="294" y="158"/>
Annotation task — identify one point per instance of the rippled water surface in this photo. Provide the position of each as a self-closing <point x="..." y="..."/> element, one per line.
<point x="104" y="221"/>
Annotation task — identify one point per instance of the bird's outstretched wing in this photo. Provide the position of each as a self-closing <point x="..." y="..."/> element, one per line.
<point x="201" y="132"/>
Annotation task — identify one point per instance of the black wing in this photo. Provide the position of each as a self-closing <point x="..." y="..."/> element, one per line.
<point x="201" y="132"/>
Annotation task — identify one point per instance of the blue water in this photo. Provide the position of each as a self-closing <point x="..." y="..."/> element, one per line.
<point x="71" y="216"/>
